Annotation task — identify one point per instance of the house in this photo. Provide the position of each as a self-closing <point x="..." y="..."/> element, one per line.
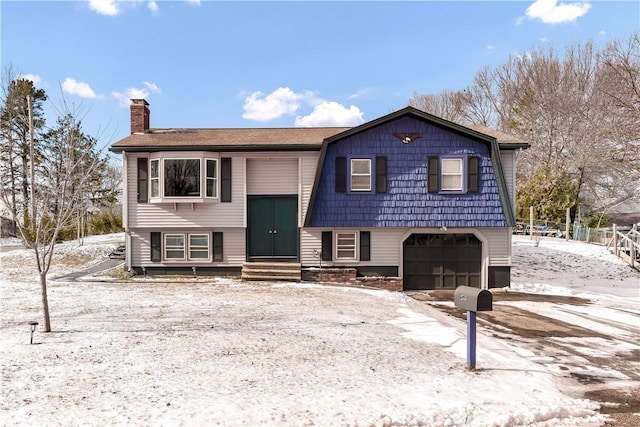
<point x="406" y="201"/>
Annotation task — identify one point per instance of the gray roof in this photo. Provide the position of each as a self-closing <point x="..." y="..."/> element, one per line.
<point x="279" y="139"/>
<point x="232" y="139"/>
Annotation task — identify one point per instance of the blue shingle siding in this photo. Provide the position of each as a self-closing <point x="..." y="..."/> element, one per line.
<point x="406" y="202"/>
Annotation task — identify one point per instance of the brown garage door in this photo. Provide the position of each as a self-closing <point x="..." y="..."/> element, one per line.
<point x="441" y="261"/>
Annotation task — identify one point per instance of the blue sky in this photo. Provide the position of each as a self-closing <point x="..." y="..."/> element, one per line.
<point x="277" y="64"/>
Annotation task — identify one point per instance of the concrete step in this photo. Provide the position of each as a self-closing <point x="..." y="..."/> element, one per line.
<point x="287" y="271"/>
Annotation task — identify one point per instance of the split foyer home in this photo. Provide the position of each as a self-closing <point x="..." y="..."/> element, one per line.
<point x="406" y="201"/>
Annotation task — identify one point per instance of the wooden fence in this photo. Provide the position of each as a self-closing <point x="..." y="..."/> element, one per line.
<point x="626" y="245"/>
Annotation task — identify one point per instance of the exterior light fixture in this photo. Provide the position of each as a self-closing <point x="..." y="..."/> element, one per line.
<point x="32" y="325"/>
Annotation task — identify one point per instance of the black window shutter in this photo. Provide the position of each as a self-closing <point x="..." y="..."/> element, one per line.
<point x="327" y="245"/>
<point x="217" y="246"/>
<point x="225" y="181"/>
<point x="365" y="246"/>
<point x="381" y="174"/>
<point x="143" y="183"/>
<point x="341" y="174"/>
<point x="156" y="247"/>
<point x="432" y="177"/>
<point x="473" y="174"/>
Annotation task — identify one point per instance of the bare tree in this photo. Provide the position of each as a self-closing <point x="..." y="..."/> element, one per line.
<point x="447" y="104"/>
<point x="56" y="189"/>
<point x="579" y="109"/>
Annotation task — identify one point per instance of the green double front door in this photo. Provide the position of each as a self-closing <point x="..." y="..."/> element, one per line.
<point x="272" y="232"/>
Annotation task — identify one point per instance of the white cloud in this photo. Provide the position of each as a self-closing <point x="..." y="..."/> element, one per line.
<point x="362" y="93"/>
<point x="35" y="78"/>
<point x="550" y="12"/>
<point x="329" y="113"/>
<point x="524" y="57"/>
<point x="544" y="39"/>
<point x="152" y="87"/>
<point x="135" y="93"/>
<point x="490" y="48"/>
<point x="194" y="2"/>
<point x="74" y="87"/>
<point x="104" y="7"/>
<point x="152" y="6"/>
<point x="280" y="102"/>
<point x="284" y="101"/>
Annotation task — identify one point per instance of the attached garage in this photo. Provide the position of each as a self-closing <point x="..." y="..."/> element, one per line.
<point x="441" y="261"/>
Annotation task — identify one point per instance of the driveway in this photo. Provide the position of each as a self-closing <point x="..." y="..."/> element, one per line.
<point x="592" y="345"/>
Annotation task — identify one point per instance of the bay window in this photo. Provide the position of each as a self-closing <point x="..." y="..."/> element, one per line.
<point x="173" y="179"/>
<point x="155" y="178"/>
<point x="212" y="178"/>
<point x="181" y="177"/>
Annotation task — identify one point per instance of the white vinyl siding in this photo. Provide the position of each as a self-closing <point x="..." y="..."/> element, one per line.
<point x="233" y="250"/>
<point x="267" y="176"/>
<point x="384" y="247"/>
<point x="508" y="166"/>
<point x="499" y="239"/>
<point x="308" y="165"/>
<point x="208" y="213"/>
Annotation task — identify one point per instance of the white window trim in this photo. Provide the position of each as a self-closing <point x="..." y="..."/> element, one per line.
<point x="164" y="196"/>
<point x="202" y="157"/>
<point x="339" y="247"/>
<point x="199" y="248"/>
<point x="460" y="174"/>
<point x="215" y="179"/>
<point x="165" y="247"/>
<point x="186" y="247"/>
<point x="152" y="179"/>
<point x="352" y="174"/>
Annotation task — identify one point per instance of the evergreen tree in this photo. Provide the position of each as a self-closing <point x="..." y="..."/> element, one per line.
<point x="15" y="138"/>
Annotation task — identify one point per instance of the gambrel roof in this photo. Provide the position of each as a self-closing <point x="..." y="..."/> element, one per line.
<point x="383" y="132"/>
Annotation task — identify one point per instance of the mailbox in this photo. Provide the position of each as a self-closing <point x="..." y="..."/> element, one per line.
<point x="473" y="299"/>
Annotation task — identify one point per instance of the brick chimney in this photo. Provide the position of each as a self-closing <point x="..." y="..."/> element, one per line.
<point x="139" y="116"/>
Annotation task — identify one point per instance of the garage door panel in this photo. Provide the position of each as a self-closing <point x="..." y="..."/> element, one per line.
<point x="474" y="280"/>
<point x="433" y="261"/>
<point x="462" y="266"/>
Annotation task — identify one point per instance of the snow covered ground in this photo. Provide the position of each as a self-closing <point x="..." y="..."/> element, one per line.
<point x="169" y="351"/>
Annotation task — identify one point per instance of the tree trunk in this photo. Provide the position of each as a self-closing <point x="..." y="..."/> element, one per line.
<point x="45" y="302"/>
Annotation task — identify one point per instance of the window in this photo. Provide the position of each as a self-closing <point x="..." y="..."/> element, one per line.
<point x="181" y="247"/>
<point x="155" y="178"/>
<point x="181" y="177"/>
<point x="198" y="246"/>
<point x="212" y="178"/>
<point x="360" y="174"/>
<point x="174" y="247"/>
<point x="345" y="245"/>
<point x="452" y="174"/>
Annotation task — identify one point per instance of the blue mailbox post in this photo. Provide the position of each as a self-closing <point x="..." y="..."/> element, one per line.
<point x="472" y="300"/>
